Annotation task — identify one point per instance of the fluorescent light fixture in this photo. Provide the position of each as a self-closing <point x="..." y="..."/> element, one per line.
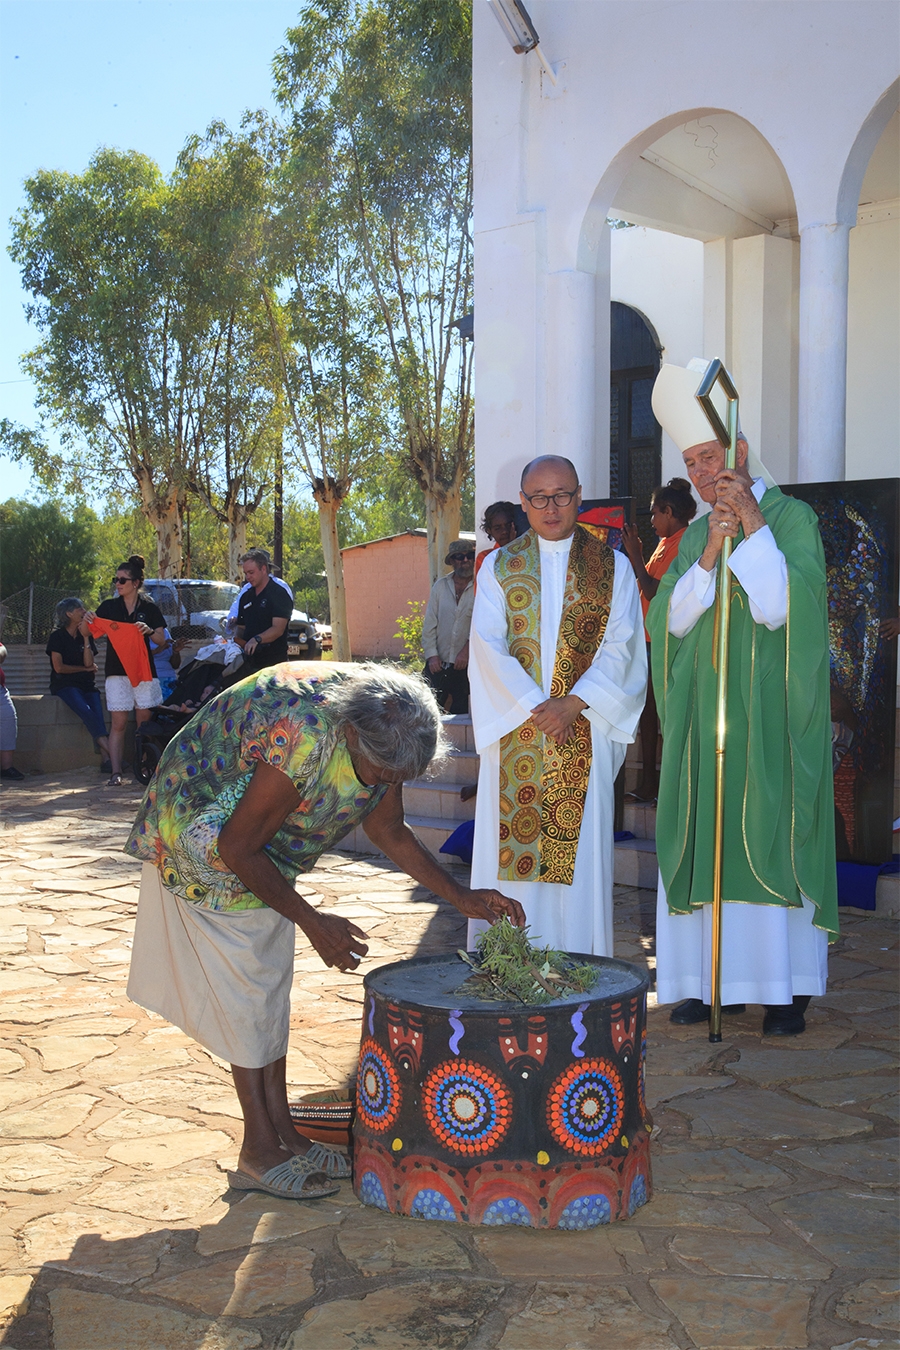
<point x="515" y="21"/>
<point x="520" y="32"/>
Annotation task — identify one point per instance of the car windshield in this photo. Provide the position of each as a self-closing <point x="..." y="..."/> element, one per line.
<point x="209" y="595"/>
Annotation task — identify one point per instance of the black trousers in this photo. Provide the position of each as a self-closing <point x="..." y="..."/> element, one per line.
<point x="451" y="688"/>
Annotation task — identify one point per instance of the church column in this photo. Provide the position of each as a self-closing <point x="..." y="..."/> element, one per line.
<point x="574" y="380"/>
<point x="824" y="253"/>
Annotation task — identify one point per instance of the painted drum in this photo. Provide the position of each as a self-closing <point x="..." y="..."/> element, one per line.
<point x="497" y="1113"/>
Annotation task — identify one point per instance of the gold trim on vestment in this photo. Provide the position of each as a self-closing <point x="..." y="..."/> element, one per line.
<point x="543" y="784"/>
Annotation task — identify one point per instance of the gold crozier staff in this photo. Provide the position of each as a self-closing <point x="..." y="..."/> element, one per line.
<point x="727" y="436"/>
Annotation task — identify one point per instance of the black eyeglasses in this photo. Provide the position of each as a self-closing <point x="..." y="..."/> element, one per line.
<point x="540" y="502"/>
<point x="464" y="557"/>
<point x="121" y="581"/>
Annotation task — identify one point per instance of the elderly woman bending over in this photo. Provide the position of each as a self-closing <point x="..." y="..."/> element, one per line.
<point x="261" y="782"/>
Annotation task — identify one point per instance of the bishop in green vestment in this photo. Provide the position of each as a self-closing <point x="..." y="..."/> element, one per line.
<point x="779" y="878"/>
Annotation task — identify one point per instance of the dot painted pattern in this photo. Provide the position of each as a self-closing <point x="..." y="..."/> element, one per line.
<point x="637" y="1196"/>
<point x="467" y="1107"/>
<point x="377" y="1087"/>
<point x="428" y="1204"/>
<point x="371" y="1191"/>
<point x="585" y="1107"/>
<point x="588" y="1211"/>
<point x="507" y="1211"/>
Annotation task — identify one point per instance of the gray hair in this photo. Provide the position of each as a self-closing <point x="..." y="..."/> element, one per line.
<point x="395" y="715"/>
<point x="261" y="556"/>
<point x="64" y="609"/>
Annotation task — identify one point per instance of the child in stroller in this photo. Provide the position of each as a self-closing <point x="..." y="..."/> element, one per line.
<point x="213" y="669"/>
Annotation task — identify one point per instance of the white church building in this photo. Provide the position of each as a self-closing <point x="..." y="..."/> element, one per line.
<point x="667" y="179"/>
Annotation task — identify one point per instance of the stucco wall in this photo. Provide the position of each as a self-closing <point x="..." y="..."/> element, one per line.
<point x="380" y="579"/>
<point x="873" y="350"/>
<point x="548" y="163"/>
<point x="661" y="275"/>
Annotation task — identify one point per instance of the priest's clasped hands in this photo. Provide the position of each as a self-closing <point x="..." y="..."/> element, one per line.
<point x="735" y="508"/>
<point x="555" y="716"/>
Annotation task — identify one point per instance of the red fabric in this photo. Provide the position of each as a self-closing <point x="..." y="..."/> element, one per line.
<point x="130" y="645"/>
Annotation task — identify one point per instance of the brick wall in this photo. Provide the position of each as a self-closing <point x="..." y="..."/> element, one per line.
<point x="381" y="577"/>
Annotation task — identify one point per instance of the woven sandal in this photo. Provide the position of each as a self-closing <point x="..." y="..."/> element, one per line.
<point x="327" y="1160"/>
<point x="289" y="1180"/>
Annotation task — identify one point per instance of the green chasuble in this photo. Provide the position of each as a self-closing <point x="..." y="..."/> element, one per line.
<point x="779" y="795"/>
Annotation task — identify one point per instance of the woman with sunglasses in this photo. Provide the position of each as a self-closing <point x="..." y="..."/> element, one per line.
<point x="130" y="605"/>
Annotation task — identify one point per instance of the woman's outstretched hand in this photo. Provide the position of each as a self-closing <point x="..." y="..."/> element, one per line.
<point x="338" y="941"/>
<point x="490" y="905"/>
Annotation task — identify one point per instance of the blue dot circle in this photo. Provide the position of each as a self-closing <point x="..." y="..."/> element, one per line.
<point x="432" y="1205"/>
<point x="371" y="1191"/>
<point x="588" y="1211"/>
<point x="507" y="1211"/>
<point x="637" y="1196"/>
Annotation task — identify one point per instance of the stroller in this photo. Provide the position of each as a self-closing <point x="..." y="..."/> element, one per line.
<point x="200" y="680"/>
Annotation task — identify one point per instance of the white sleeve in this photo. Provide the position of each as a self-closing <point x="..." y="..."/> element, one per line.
<point x="502" y="692"/>
<point x="615" y="684"/>
<point x="759" y="566"/>
<point x="692" y="596"/>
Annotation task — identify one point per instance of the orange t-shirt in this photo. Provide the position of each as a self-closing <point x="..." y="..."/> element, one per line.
<point x="661" y="560"/>
<point x="479" y="559"/>
<point x="130" y="645"/>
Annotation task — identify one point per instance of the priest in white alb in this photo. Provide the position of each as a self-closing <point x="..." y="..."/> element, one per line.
<point x="558" y="675"/>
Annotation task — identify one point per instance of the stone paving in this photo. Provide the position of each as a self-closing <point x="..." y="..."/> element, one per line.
<point x="773" y="1222"/>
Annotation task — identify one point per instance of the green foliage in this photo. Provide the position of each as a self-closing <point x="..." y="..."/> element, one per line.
<point x="44" y="545"/>
<point x="410" y="630"/>
<point x="510" y="968"/>
<point x="380" y="102"/>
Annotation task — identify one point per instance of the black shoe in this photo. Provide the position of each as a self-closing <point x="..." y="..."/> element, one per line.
<point x="106" y="766"/>
<point x="12" y="774"/>
<point x="786" y="1019"/>
<point x="694" y="1010"/>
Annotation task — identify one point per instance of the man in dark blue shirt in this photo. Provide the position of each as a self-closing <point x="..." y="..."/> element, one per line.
<point x="263" y="615"/>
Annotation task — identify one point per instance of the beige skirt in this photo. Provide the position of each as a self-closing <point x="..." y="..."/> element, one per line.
<point x="224" y="979"/>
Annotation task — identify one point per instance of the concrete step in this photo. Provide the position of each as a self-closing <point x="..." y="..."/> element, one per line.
<point x="422" y="797"/>
<point x="458" y="730"/>
<point x="635" y="863"/>
<point x="431" y="831"/>
<point x="640" y="819"/>
<point x="460" y="767"/>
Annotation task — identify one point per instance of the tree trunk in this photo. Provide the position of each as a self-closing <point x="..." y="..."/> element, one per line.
<point x="442" y="517"/>
<point x="237" y="545"/>
<point x="334" y="573"/>
<point x="164" y="511"/>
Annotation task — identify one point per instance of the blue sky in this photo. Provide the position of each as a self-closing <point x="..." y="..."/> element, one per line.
<point x="137" y="74"/>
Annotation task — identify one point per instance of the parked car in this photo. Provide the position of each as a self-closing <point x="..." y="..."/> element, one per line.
<point x="198" y="610"/>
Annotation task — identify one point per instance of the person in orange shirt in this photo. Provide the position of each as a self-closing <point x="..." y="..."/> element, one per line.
<point x="672" y="508"/>
<point x="499" y="524"/>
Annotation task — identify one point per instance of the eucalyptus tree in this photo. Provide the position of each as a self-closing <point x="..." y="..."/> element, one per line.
<point x="221" y="196"/>
<point x="139" y="289"/>
<point x="379" y="99"/>
<point x="332" y="373"/>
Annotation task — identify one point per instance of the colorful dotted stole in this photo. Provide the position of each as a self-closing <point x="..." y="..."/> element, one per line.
<point x="543" y="785"/>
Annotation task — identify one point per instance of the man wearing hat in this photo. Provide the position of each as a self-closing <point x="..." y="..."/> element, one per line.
<point x="445" y="629"/>
<point x="558" y="674"/>
<point x="779" y="879"/>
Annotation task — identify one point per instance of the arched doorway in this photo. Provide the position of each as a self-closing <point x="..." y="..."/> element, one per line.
<point x="635" y="436"/>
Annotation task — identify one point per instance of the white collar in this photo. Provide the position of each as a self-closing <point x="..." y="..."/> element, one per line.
<point x="555" y="545"/>
<point x="758" y="488"/>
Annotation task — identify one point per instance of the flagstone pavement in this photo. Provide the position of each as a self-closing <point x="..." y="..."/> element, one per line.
<point x="773" y="1221"/>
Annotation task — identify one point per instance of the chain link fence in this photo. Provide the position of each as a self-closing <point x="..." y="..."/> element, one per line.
<point x="29" y="616"/>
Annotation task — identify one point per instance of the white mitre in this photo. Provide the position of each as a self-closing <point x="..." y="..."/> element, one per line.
<point x="675" y="407"/>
